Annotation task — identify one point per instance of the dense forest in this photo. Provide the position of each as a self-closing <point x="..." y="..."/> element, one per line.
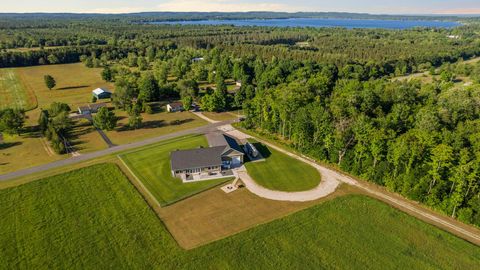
<point x="327" y="92"/>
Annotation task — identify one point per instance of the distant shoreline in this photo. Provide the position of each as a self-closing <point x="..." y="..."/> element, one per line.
<point x="349" y="23"/>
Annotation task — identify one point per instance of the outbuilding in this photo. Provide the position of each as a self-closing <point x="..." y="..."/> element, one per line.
<point x="91" y="108"/>
<point x="175" y="107"/>
<point x="101" y="93"/>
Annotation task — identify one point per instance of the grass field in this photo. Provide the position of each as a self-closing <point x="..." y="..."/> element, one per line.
<point x="13" y="94"/>
<point x="75" y="221"/>
<point x="24" y="151"/>
<point x="75" y="83"/>
<point x="30" y="149"/>
<point x="223" y="116"/>
<point x="157" y="124"/>
<point x="281" y="172"/>
<point x="152" y="167"/>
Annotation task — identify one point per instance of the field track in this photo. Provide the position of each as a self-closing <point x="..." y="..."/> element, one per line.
<point x="13" y="93"/>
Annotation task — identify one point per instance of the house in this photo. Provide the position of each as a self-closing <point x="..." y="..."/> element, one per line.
<point x="91" y="108"/>
<point x="223" y="154"/>
<point x="238" y="83"/>
<point x="175" y="107"/>
<point x="101" y="93"/>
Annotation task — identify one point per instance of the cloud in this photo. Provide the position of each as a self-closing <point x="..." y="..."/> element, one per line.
<point x="222" y="5"/>
<point x="470" y="11"/>
<point x="115" y="10"/>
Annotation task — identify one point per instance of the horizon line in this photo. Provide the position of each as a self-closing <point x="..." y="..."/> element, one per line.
<point x="252" y="11"/>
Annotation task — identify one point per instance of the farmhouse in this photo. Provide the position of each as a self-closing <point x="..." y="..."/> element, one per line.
<point x="223" y="154"/>
<point x="175" y="107"/>
<point x="101" y="93"/>
<point x="91" y="108"/>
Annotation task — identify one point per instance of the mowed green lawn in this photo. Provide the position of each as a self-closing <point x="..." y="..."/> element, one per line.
<point x="152" y="166"/>
<point x="93" y="218"/>
<point x="281" y="172"/>
<point x="12" y="92"/>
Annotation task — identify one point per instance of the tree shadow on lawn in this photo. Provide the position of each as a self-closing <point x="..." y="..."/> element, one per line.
<point x="79" y="130"/>
<point x="155" y="124"/>
<point x="31" y="132"/>
<point x="7" y="145"/>
<point x="145" y="125"/>
<point x="157" y="107"/>
<point x="73" y="87"/>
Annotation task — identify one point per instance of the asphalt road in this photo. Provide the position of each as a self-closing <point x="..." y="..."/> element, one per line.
<point x="111" y="150"/>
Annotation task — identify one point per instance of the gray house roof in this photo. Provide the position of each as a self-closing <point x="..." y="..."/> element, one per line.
<point x="220" y="139"/>
<point x="220" y="145"/>
<point x="197" y="158"/>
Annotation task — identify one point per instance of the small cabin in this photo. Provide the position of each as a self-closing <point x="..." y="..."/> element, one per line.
<point x="175" y="107"/>
<point x="101" y="93"/>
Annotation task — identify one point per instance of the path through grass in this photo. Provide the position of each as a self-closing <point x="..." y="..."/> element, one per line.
<point x="12" y="92"/>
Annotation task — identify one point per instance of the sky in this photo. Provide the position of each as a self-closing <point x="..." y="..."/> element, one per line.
<point x="128" y="6"/>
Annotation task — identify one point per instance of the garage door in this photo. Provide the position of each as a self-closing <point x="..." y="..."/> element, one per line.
<point x="236" y="161"/>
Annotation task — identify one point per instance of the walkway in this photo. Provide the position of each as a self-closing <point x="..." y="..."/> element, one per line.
<point x="105" y="138"/>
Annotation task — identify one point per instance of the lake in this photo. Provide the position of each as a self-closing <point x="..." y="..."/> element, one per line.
<point x="312" y="22"/>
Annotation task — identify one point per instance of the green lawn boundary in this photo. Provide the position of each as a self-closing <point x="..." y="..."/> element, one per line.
<point x="140" y="180"/>
<point x="138" y="177"/>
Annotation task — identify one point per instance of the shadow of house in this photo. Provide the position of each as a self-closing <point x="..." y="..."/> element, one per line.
<point x="263" y="149"/>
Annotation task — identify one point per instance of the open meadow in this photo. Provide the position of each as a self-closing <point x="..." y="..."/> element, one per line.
<point x="156" y="124"/>
<point x="13" y="94"/>
<point x="75" y="83"/>
<point x="94" y="218"/>
<point x="281" y="172"/>
<point x="31" y="148"/>
<point x="152" y="167"/>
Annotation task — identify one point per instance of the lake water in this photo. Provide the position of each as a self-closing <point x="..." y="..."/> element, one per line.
<point x="308" y="22"/>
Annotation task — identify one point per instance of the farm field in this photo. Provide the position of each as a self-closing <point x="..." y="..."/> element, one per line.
<point x="13" y="93"/>
<point x="281" y="172"/>
<point x="152" y="167"/>
<point x="107" y="224"/>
